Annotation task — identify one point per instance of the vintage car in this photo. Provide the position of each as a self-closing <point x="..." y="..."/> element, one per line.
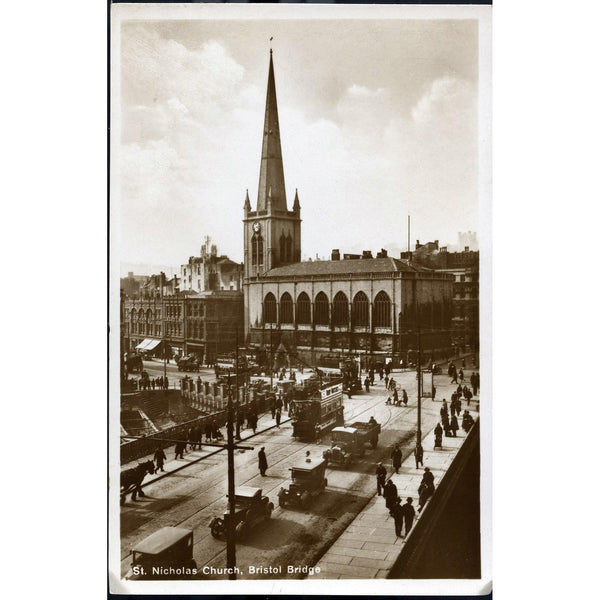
<point x="166" y="554"/>
<point x="308" y="479"/>
<point x="251" y="508"/>
<point x="348" y="443"/>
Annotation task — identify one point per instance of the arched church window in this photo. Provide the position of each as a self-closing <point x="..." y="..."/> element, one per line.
<point x="282" y="249"/>
<point x="360" y="310"/>
<point x="321" y="309"/>
<point x="286" y="314"/>
<point x="257" y="249"/>
<point x="381" y="310"/>
<point x="339" y="310"/>
<point x="270" y="309"/>
<point x="288" y="248"/>
<point x="303" y="309"/>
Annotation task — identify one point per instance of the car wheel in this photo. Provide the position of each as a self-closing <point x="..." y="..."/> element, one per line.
<point x="217" y="528"/>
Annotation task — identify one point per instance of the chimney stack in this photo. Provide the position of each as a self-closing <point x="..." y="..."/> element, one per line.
<point x="335" y="254"/>
<point x="382" y="254"/>
<point x="367" y="254"/>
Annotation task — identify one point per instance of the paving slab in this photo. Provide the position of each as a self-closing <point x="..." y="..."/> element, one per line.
<point x="369" y="547"/>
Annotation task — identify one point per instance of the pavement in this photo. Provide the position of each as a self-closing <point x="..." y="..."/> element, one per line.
<point x="369" y="547"/>
<point x="195" y="491"/>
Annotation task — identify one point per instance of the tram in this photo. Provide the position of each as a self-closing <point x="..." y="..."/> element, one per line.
<point x="316" y="407"/>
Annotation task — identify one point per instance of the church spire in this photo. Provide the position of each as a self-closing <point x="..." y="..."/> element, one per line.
<point x="271" y="182"/>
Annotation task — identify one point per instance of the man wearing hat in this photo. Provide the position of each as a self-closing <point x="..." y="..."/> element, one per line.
<point x="380" y="473"/>
<point x="262" y="461"/>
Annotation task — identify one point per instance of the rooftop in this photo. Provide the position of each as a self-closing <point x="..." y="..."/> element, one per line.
<point x="343" y="267"/>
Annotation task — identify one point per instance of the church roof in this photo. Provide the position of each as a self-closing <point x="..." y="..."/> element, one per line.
<point x="345" y="267"/>
<point x="271" y="183"/>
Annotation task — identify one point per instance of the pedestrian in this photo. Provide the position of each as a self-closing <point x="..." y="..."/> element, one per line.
<point x="396" y="457"/>
<point x="459" y="391"/>
<point x="160" y="457"/>
<point x="453" y="406"/>
<point x="372" y="376"/>
<point x="405" y="397"/>
<point x="454" y="425"/>
<point x="380" y="374"/>
<point x="366" y="384"/>
<point x="179" y="449"/>
<point x="425" y="492"/>
<point x="278" y="416"/>
<point x="262" y="461"/>
<point x="438" y="436"/>
<point x="458" y="406"/>
<point x="418" y="455"/>
<point x="273" y="408"/>
<point x="464" y="364"/>
<point x="454" y="376"/>
<point x="398" y="515"/>
<point x="390" y="493"/>
<point x="409" y="514"/>
<point x="396" y="399"/>
<point x="380" y="473"/>
<point x="254" y="421"/>
<point x="387" y="381"/>
<point x="446" y="425"/>
<point x="461" y="375"/>
<point x="428" y="476"/>
<point x="166" y="383"/>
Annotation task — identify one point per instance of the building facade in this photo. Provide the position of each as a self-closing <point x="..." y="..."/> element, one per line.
<point x="204" y="324"/>
<point x="359" y="304"/>
<point x="210" y="272"/>
<point x="463" y="266"/>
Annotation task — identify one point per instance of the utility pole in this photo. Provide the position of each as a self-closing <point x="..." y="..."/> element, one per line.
<point x="419" y="390"/>
<point x="230" y="484"/>
<point x="271" y="356"/>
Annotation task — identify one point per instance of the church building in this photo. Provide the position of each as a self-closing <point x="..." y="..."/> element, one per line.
<point x="381" y="306"/>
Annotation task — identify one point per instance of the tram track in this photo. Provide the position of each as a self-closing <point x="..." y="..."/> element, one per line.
<point x="197" y="518"/>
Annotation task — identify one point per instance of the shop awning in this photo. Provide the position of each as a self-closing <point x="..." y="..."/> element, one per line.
<point x="148" y="344"/>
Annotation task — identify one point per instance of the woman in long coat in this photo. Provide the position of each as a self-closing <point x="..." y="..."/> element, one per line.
<point x="390" y="493"/>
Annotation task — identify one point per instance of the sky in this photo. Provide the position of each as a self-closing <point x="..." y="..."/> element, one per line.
<point x="378" y="121"/>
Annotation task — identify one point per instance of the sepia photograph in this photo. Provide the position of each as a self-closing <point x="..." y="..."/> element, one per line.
<point x="300" y="268"/>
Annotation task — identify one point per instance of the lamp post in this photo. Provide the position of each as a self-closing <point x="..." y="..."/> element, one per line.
<point x="230" y="485"/>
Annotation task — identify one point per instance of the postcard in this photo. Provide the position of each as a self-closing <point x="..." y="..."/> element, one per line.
<point x="300" y="296"/>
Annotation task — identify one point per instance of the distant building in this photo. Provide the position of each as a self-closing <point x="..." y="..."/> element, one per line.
<point x="201" y="323"/>
<point x="356" y="303"/>
<point x="210" y="272"/>
<point x="132" y="283"/>
<point x="464" y="268"/>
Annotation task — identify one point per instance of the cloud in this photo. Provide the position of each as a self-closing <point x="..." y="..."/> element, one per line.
<point x="191" y="140"/>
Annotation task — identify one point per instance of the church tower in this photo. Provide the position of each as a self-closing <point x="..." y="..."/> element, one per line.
<point x="271" y="232"/>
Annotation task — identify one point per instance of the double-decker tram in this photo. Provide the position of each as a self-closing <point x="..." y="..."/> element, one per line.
<point x="316" y="407"/>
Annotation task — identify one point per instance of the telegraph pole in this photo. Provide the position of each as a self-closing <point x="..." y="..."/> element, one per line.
<point x="271" y="356"/>
<point x="230" y="482"/>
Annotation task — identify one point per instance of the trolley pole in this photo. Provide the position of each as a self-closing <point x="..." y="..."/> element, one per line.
<point x="418" y="363"/>
<point x="271" y="356"/>
<point x="230" y="486"/>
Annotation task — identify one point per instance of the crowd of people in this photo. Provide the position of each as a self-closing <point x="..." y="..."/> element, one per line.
<point x="403" y="514"/>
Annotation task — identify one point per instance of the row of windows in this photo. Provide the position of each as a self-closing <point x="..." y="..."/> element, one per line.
<point x="145" y="328"/>
<point x="141" y="315"/>
<point x="339" y="310"/>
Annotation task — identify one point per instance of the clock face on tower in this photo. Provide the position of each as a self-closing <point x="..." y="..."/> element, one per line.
<point x="256" y="227"/>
